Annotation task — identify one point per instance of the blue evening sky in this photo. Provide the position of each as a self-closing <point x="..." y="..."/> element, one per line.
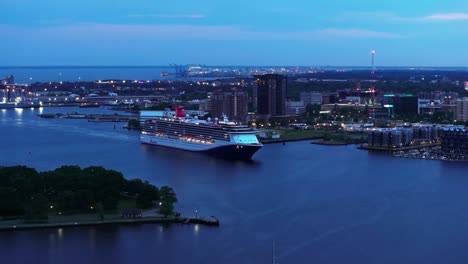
<point x="241" y="32"/>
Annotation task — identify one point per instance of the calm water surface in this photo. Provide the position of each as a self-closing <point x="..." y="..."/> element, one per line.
<point x="320" y="204"/>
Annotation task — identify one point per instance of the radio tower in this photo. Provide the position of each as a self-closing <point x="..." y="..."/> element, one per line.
<point x="373" y="82"/>
<point x="373" y="66"/>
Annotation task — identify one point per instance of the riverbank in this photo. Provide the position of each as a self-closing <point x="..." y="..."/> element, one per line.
<point x="322" y="137"/>
<point x="209" y="221"/>
<point x="331" y="142"/>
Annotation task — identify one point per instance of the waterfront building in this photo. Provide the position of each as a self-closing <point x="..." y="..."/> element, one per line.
<point x="270" y="94"/>
<point x="234" y="104"/>
<point x="313" y="98"/>
<point x="455" y="143"/>
<point x="390" y="138"/>
<point x="404" y="136"/>
<point x="461" y="113"/>
<point x="426" y="133"/>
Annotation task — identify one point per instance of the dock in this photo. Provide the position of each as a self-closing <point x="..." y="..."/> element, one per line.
<point x="90" y="117"/>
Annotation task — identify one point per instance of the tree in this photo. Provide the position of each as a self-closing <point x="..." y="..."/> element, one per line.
<point x="134" y="124"/>
<point x="134" y="187"/>
<point x="168" y="198"/>
<point x="70" y="189"/>
<point x="10" y="203"/>
<point x="38" y="207"/>
<point x="104" y="185"/>
<point x="312" y="110"/>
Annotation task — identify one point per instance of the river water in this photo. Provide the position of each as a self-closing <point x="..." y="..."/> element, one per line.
<point x="320" y="204"/>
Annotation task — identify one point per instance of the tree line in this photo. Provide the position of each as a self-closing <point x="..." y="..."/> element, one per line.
<point x="25" y="192"/>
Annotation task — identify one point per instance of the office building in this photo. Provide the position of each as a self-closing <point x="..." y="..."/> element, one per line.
<point x="234" y="104"/>
<point x="271" y="94"/>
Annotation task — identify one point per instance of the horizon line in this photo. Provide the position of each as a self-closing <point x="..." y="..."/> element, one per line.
<point x="207" y="65"/>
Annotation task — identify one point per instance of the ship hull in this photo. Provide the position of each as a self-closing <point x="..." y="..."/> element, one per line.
<point x="226" y="150"/>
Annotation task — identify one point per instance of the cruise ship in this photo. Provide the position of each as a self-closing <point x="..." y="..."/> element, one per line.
<point x="220" y="138"/>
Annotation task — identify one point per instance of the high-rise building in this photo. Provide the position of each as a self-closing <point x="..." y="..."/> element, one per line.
<point x="462" y="109"/>
<point x="233" y="104"/>
<point x="271" y="94"/>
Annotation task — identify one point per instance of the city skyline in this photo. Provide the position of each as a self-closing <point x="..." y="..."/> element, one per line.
<point x="145" y="32"/>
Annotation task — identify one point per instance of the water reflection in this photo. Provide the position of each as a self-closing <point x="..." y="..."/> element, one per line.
<point x="19" y="111"/>
<point x="60" y="233"/>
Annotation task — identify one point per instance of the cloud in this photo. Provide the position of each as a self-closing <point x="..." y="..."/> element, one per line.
<point x="375" y="15"/>
<point x="170" y="16"/>
<point x="445" y="17"/>
<point x="184" y="32"/>
<point x="356" y="33"/>
<point x="392" y="17"/>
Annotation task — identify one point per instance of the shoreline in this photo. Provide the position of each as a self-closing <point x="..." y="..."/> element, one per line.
<point x="331" y="143"/>
<point x="208" y="221"/>
<point x="273" y="141"/>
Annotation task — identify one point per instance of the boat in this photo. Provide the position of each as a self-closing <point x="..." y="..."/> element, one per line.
<point x="163" y="74"/>
<point x="219" y="138"/>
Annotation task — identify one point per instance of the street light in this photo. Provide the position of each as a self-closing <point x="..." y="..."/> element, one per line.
<point x="196" y="213"/>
